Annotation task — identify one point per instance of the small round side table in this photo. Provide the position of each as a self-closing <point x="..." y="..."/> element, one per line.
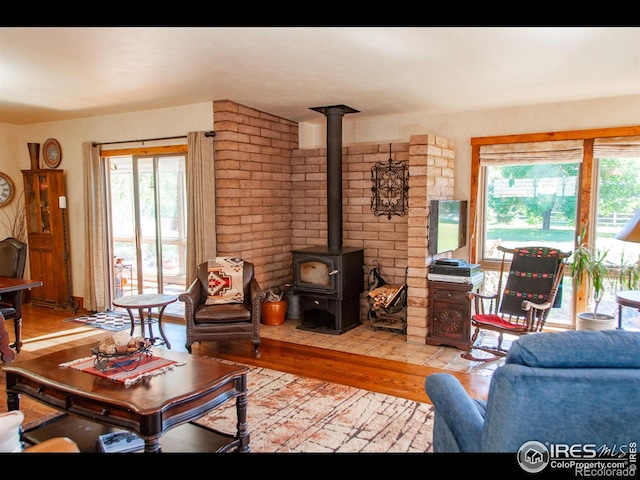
<point x="627" y="298"/>
<point x="147" y="301"/>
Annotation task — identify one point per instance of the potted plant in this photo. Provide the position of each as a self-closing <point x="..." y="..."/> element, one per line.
<point x="591" y="264"/>
<point x="274" y="307"/>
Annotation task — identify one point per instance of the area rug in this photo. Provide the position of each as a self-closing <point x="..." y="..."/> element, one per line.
<point x="109" y="320"/>
<point x="288" y="413"/>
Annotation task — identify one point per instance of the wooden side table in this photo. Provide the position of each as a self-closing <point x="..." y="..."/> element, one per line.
<point x="627" y="298"/>
<point x="9" y="284"/>
<point x="146" y="301"/>
<point x="449" y="320"/>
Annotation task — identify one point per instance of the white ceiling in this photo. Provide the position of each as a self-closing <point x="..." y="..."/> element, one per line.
<point x="58" y="73"/>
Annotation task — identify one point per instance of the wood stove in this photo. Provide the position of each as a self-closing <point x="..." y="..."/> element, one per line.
<point x="330" y="279"/>
<point x="329" y="282"/>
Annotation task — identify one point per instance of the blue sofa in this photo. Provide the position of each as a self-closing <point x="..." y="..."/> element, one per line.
<point x="571" y="387"/>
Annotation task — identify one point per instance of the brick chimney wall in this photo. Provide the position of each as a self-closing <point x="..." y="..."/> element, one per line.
<point x="383" y="240"/>
<point x="271" y="198"/>
<point x="396" y="243"/>
<point x="253" y="189"/>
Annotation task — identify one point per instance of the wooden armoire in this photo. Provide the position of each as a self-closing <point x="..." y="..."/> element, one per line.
<point x="46" y="233"/>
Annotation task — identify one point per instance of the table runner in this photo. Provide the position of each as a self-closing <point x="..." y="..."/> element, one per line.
<point x="150" y="365"/>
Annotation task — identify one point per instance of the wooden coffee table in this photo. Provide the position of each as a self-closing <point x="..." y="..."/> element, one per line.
<point x="150" y="407"/>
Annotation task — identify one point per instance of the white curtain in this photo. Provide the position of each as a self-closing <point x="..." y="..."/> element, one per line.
<point x="201" y="202"/>
<point x="556" y="151"/>
<point x="617" y="147"/>
<point x="96" y="287"/>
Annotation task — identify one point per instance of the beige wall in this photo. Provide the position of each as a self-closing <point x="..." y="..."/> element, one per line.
<point x="460" y="128"/>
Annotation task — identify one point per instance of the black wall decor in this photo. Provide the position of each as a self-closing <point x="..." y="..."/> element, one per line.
<point x="390" y="189"/>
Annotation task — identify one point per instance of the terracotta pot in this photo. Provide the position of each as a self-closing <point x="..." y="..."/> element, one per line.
<point x="274" y="313"/>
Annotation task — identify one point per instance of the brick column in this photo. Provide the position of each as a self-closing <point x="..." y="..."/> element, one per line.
<point x="431" y="164"/>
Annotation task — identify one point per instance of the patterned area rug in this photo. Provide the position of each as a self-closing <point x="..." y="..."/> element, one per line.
<point x="287" y="413"/>
<point x="109" y="320"/>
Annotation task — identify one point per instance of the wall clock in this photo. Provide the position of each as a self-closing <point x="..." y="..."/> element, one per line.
<point x="51" y="153"/>
<point x="7" y="189"/>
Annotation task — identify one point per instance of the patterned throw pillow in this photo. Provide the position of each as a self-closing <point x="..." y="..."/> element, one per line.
<point x="225" y="280"/>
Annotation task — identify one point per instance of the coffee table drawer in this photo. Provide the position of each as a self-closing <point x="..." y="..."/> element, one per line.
<point x="73" y="403"/>
<point x="92" y="409"/>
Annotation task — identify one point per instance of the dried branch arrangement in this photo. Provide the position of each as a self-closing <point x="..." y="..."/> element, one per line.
<point x="14" y="220"/>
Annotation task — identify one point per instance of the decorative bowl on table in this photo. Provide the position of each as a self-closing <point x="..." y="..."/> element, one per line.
<point x="121" y="351"/>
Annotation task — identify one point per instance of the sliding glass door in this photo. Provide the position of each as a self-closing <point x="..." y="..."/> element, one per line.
<point x="148" y="223"/>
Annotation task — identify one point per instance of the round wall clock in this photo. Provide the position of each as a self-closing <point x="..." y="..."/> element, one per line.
<point x="51" y="153"/>
<point x="7" y="189"/>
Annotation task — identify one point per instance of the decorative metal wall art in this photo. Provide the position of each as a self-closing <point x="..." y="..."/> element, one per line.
<point x="390" y="189"/>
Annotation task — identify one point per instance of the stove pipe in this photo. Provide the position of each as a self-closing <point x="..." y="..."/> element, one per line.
<point x="334" y="114"/>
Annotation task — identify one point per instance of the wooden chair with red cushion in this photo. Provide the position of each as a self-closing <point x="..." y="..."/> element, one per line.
<point x="533" y="280"/>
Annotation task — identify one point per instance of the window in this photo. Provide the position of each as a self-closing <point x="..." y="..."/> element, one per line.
<point x="617" y="200"/>
<point x="545" y="189"/>
<point x="531" y="204"/>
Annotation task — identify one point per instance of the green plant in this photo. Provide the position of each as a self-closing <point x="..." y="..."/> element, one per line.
<point x="590" y="263"/>
<point x="626" y="275"/>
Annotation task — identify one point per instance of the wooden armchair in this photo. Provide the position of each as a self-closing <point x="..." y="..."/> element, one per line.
<point x="13" y="256"/>
<point x="533" y="279"/>
<point x="226" y="321"/>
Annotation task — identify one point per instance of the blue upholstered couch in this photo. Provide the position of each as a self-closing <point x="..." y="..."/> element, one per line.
<point x="572" y="387"/>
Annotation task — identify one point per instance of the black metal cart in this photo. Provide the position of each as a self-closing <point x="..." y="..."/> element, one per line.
<point x="387" y="303"/>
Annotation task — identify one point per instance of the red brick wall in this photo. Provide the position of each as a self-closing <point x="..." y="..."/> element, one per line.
<point x="253" y="188"/>
<point x="271" y="198"/>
